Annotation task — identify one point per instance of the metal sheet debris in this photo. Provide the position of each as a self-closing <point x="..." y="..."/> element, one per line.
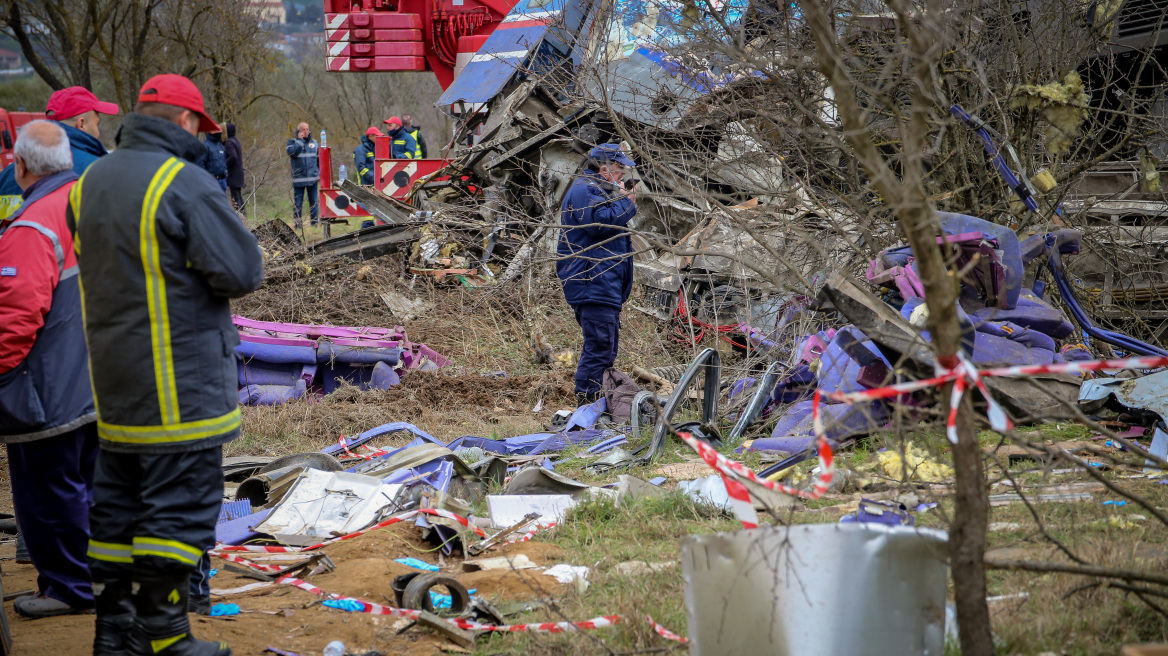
<point x="780" y="590"/>
<point x="323" y="505"/>
<point x="507" y="510"/>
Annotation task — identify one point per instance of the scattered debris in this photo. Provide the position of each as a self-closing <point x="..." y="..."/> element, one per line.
<point x="518" y="561"/>
<point x="640" y="568"/>
<point x="913" y="465"/>
<point x="577" y="574"/>
<point x="281" y="362"/>
<point x="460" y="637"/>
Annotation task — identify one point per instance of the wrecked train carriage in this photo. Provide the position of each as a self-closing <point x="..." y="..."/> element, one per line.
<point x="533" y="106"/>
<point x="746" y="266"/>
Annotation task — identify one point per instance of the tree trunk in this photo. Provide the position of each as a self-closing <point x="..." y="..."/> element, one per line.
<point x="967" y="538"/>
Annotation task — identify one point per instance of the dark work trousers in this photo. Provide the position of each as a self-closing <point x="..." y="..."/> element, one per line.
<point x="154" y="511"/>
<point x="237" y="198"/>
<point x="201" y="578"/>
<point x="52" y="488"/>
<point x="298" y="199"/>
<point x="601" y="327"/>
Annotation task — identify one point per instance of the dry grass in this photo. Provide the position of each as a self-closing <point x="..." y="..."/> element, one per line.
<point x="482" y="331"/>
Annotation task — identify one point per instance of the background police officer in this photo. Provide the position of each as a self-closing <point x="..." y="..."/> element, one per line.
<point x="594" y="261"/>
<point x="303" y="153"/>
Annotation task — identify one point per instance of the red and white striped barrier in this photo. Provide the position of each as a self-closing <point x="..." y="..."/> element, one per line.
<point x="531" y="533"/>
<point x="666" y="633"/>
<point x="734" y="472"/>
<point x="259" y="567"/>
<point x="963" y="375"/>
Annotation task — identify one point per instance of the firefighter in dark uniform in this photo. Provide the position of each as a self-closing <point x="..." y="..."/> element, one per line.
<point x="161" y="253"/>
<point x="363" y="157"/>
<point x="594" y="260"/>
<point x="401" y="144"/>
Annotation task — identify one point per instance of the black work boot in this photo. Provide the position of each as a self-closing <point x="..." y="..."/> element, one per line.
<point x="162" y="627"/>
<point x="199" y="604"/>
<point x="587" y="398"/>
<point x="22" y="557"/>
<point x="115" y="617"/>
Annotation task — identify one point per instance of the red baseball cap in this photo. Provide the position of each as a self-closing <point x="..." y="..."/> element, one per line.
<point x="171" y="89"/>
<point x="75" y="101"/>
<point x="372" y="132"/>
<point x="392" y="120"/>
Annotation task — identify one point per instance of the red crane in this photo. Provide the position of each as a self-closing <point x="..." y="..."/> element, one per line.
<point x="408" y="35"/>
<point x="400" y="35"/>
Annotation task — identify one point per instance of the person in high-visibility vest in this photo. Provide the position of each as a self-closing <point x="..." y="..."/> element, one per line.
<point x="401" y="145"/>
<point x="416" y="133"/>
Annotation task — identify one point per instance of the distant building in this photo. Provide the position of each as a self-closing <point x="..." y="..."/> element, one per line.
<point x="268" y="11"/>
<point x="10" y="60"/>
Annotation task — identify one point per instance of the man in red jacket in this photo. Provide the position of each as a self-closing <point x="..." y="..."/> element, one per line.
<point x="46" y="406"/>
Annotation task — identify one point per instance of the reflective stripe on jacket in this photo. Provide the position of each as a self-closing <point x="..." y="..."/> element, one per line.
<point x="305" y="163"/>
<point x="161" y="254"/>
<point x="363" y="158"/>
<point x="47" y="392"/>
<point x="402" y="145"/>
<point x="416" y="135"/>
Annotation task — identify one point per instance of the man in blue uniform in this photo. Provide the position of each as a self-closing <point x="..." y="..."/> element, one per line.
<point x="304" y="155"/>
<point x="215" y="159"/>
<point x="594" y="262"/>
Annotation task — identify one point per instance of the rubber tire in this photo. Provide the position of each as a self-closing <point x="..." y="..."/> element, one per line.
<point x="417" y="593"/>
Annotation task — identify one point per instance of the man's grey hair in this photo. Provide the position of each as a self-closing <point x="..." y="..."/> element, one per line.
<point x="44" y="147"/>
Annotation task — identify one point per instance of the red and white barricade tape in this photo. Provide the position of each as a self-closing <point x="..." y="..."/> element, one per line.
<point x="666" y="633"/>
<point x="733" y="473"/>
<point x="540" y="627"/>
<point x="260" y="567"/>
<point x="531" y="532"/>
<point x="963" y="374"/>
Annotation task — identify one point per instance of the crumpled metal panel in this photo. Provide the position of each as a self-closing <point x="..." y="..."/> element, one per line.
<point x="817" y="590"/>
<point x="505" y="52"/>
<point x="1148" y="392"/>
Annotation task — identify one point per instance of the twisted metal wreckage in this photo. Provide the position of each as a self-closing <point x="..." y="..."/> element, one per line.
<point x="484" y="217"/>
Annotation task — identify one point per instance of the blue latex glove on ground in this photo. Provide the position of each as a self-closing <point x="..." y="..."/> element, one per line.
<point x="418" y="564"/>
<point x="351" y="605"/>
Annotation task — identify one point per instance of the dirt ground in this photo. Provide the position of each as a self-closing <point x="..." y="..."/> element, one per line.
<point x="293" y="620"/>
